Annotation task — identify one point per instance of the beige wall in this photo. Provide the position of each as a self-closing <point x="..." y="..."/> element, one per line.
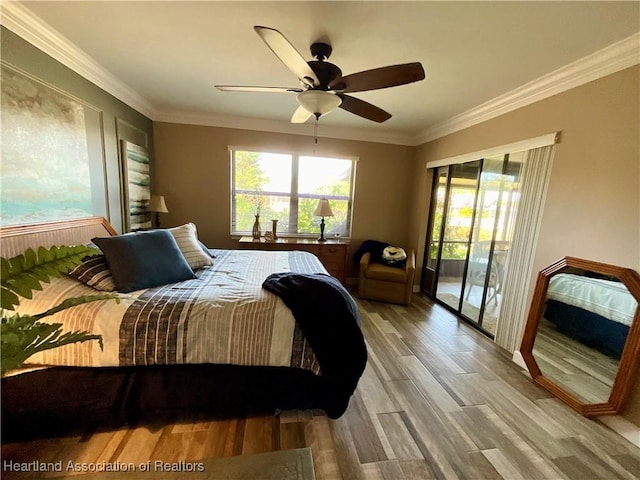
<point x="192" y="170"/>
<point x="592" y="208"/>
<point x="593" y="203"/>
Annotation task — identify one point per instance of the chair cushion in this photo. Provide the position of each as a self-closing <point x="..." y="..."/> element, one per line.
<point x="378" y="271"/>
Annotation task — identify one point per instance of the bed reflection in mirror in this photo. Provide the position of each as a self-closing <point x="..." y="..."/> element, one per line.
<point x="582" y="332"/>
<point x="582" y="339"/>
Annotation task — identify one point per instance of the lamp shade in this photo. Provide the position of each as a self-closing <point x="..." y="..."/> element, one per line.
<point x="156" y="204"/>
<point x="323" y="209"/>
<point x="318" y="102"/>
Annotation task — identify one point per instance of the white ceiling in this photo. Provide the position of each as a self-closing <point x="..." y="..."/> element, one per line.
<point x="171" y="53"/>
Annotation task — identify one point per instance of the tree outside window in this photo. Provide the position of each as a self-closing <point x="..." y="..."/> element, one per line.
<point x="287" y="187"/>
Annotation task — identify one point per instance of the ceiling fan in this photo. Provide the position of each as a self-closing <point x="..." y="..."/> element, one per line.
<point x="323" y="88"/>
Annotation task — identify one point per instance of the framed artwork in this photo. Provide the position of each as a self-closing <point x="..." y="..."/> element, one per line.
<point x="53" y="165"/>
<point x="137" y="187"/>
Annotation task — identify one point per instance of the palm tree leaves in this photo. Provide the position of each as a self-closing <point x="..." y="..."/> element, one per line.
<point x="23" y="335"/>
<point x="23" y="274"/>
<point x="72" y="302"/>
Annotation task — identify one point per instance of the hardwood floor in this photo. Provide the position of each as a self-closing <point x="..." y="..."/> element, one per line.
<point x="582" y="370"/>
<point x="437" y="401"/>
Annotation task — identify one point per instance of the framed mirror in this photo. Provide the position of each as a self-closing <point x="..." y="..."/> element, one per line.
<point x="582" y="337"/>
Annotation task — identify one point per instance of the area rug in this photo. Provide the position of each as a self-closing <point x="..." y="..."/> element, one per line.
<point x="295" y="464"/>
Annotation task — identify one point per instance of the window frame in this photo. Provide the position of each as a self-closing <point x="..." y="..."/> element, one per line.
<point x="293" y="194"/>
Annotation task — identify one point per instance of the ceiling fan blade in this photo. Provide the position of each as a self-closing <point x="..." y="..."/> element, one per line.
<point x="300" y="115"/>
<point x="377" y="78"/>
<point x="239" y="88"/>
<point x="363" y="109"/>
<point x="287" y="53"/>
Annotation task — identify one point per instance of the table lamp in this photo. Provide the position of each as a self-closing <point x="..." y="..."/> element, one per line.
<point x="157" y="204"/>
<point x="323" y="210"/>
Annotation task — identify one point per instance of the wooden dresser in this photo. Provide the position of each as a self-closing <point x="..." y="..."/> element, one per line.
<point x="332" y="253"/>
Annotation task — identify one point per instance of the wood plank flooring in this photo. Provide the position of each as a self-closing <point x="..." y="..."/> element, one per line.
<point x="437" y="401"/>
<point x="582" y="370"/>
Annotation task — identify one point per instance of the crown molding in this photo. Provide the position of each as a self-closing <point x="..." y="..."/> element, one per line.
<point x="24" y="23"/>
<point x="611" y="59"/>
<point x="21" y="21"/>
<point x="275" y="126"/>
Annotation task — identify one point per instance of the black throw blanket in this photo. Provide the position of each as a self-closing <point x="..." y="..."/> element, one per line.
<point x="328" y="317"/>
<point x="374" y="247"/>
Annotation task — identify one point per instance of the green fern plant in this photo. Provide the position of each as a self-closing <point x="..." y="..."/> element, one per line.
<point x="23" y="335"/>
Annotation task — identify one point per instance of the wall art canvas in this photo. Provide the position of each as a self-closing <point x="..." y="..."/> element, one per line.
<point x="137" y="186"/>
<point x="45" y="173"/>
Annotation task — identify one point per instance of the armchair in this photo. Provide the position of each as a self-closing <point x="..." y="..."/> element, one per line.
<point x="384" y="283"/>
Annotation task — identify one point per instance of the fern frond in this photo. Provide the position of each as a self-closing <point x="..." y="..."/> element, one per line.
<point x="22" y="336"/>
<point x="72" y="302"/>
<point x="23" y="274"/>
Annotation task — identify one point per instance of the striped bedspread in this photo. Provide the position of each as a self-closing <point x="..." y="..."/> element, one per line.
<point x="609" y="299"/>
<point x="223" y="316"/>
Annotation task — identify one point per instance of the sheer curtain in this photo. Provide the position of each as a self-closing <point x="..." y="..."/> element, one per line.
<point x="513" y="312"/>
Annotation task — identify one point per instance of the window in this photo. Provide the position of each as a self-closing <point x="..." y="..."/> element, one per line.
<point x="288" y="187"/>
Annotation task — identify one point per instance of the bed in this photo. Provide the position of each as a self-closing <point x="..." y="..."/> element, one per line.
<point x="595" y="311"/>
<point x="253" y="333"/>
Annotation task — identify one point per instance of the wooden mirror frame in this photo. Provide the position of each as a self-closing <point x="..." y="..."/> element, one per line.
<point x="629" y="359"/>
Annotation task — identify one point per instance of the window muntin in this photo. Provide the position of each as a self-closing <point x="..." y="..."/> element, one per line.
<point x="287" y="187"/>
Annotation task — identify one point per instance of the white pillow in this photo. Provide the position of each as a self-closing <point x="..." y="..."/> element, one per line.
<point x="187" y="239"/>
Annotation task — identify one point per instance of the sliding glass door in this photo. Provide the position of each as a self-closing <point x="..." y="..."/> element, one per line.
<point x="470" y="228"/>
<point x="432" y="253"/>
<point x="460" y="197"/>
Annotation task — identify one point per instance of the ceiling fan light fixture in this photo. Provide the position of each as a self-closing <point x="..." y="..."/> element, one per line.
<point x="322" y="85"/>
<point x="318" y="102"/>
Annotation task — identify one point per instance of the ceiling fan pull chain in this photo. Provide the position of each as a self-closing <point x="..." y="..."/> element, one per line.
<point x="315" y="132"/>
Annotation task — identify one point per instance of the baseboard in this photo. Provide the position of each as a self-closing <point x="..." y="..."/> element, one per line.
<point x="622" y="427"/>
<point x="518" y="360"/>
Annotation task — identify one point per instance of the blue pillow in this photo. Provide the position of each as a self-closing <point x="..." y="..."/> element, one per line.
<point x="144" y="260"/>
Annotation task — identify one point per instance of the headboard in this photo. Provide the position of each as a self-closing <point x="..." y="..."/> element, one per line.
<point x="15" y="239"/>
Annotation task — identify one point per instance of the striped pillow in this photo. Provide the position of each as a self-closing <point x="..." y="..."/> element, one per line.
<point x="94" y="272"/>
<point x="187" y="239"/>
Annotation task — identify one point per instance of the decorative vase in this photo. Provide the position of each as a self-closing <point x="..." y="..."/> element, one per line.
<point x="256" y="228"/>
<point x="274" y="229"/>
